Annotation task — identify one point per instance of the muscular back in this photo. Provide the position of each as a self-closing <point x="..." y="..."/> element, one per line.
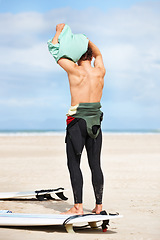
<point x="86" y="84"/>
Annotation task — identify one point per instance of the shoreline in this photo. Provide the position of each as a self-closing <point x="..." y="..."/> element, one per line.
<point x="62" y="133"/>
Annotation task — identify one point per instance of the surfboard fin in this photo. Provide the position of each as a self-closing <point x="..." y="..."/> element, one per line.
<point x="105" y="223"/>
<point x="61" y="196"/>
<point x="42" y="197"/>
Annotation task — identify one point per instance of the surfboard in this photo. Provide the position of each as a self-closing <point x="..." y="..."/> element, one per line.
<point x="19" y="219"/>
<point x="39" y="194"/>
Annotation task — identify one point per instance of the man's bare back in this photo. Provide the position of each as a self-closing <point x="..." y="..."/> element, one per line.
<point x="86" y="82"/>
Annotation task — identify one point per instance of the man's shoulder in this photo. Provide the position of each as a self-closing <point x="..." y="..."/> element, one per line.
<point x="99" y="71"/>
<point x="68" y="65"/>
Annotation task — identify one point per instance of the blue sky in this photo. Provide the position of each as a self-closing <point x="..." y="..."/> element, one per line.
<point x="34" y="91"/>
<point x="17" y="6"/>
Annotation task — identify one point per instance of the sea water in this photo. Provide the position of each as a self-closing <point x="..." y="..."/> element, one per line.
<point x="62" y="132"/>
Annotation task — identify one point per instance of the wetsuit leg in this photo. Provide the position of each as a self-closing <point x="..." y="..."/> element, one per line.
<point x="93" y="147"/>
<point x="73" y="158"/>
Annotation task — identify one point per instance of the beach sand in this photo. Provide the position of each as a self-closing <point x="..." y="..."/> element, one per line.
<point x="130" y="162"/>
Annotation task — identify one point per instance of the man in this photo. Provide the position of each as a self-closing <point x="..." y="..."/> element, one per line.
<point x="83" y="120"/>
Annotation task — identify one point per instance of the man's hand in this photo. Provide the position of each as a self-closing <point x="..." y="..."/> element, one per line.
<point x="59" y="29"/>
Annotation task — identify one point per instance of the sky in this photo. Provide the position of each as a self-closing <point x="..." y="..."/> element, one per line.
<point x="34" y="90"/>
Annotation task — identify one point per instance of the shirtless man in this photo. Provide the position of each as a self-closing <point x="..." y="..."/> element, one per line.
<point x="83" y="121"/>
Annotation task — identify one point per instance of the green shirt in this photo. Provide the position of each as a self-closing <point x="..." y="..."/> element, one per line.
<point x="71" y="46"/>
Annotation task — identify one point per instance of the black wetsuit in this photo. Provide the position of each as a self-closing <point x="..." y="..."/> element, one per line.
<point x="76" y="138"/>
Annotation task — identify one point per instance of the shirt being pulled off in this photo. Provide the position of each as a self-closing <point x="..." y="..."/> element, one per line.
<point x="71" y="46"/>
<point x="91" y="113"/>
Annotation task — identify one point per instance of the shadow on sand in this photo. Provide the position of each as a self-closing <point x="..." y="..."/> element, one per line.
<point x="61" y="229"/>
<point x="53" y="204"/>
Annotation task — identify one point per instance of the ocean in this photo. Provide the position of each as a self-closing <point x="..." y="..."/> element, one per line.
<point x="62" y="132"/>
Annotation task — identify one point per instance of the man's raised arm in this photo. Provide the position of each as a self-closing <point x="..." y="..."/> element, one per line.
<point x="98" y="63"/>
<point x="65" y="63"/>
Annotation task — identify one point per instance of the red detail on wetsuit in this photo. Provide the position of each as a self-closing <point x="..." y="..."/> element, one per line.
<point x="69" y="119"/>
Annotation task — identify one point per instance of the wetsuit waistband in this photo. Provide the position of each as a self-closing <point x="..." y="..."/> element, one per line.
<point x="90" y="112"/>
<point x="84" y="108"/>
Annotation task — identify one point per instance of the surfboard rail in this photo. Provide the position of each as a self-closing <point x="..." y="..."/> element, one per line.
<point x="68" y="221"/>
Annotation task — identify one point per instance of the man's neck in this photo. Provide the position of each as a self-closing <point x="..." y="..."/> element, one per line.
<point x="85" y="64"/>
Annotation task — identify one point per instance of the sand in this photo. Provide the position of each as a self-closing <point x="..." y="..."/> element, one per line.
<point x="130" y="163"/>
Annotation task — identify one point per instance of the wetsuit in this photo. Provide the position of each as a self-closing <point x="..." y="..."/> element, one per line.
<point x="83" y="129"/>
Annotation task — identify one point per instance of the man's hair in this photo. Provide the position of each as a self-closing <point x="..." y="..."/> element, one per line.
<point x="87" y="55"/>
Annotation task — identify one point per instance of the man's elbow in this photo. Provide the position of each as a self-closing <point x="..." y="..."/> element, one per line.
<point x="97" y="55"/>
<point x="103" y="70"/>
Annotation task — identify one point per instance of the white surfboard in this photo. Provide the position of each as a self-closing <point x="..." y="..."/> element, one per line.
<point x="20" y="219"/>
<point x="39" y="194"/>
